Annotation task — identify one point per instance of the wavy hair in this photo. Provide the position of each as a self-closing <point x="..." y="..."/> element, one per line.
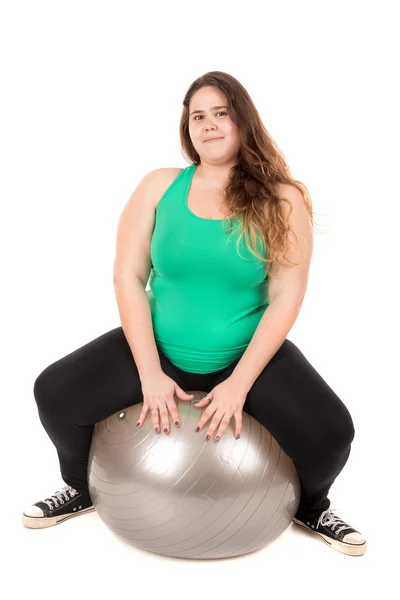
<point x="251" y="190"/>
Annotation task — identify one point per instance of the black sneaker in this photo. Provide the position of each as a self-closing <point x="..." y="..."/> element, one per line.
<point x="64" y="504"/>
<point x="335" y="532"/>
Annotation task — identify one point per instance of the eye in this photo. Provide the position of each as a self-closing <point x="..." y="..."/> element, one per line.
<point x="220" y="112"/>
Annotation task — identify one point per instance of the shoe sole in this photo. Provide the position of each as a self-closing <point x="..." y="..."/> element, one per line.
<point x="345" y="548"/>
<point x="42" y="522"/>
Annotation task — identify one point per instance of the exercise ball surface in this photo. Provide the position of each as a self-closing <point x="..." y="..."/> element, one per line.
<point x="179" y="495"/>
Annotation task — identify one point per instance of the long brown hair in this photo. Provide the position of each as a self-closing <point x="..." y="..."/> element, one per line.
<point x="251" y="191"/>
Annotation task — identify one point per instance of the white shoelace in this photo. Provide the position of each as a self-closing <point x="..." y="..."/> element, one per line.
<point x="60" y="496"/>
<point x="328" y="519"/>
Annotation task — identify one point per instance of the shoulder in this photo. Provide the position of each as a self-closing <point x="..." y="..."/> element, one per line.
<point x="296" y="213"/>
<point x="292" y="201"/>
<point x="157" y="181"/>
<point x="163" y="173"/>
<point x="161" y="176"/>
<point x="289" y="192"/>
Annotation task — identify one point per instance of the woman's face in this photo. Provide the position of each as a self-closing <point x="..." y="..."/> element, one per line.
<point x="212" y="122"/>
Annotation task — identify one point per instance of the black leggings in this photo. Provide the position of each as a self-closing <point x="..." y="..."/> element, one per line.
<point x="291" y="400"/>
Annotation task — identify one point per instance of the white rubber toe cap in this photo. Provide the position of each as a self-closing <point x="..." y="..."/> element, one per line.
<point x="354" y="538"/>
<point x="34" y="511"/>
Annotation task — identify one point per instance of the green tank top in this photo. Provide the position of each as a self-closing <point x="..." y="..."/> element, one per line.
<point x="206" y="300"/>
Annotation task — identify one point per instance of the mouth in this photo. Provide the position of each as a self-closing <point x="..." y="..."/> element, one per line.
<point x="214" y="139"/>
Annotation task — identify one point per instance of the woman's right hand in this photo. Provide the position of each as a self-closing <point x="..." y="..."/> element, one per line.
<point x="158" y="391"/>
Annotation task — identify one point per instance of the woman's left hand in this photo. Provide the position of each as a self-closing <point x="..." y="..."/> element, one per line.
<point x="225" y="400"/>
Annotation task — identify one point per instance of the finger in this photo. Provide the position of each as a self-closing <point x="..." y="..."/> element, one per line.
<point x="203" y="402"/>
<point x="239" y="423"/>
<point x="142" y="415"/>
<point x="221" y="429"/>
<point x="164" y="419"/>
<point x="155" y="420"/>
<point x="174" y="411"/>
<point x="215" y="421"/>
<point x="204" y="418"/>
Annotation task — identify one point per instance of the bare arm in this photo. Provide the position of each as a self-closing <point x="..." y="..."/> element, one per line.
<point x="286" y="294"/>
<point x="135" y="317"/>
<point x="132" y="266"/>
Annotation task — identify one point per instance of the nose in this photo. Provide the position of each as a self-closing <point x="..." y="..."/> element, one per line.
<point x="209" y="125"/>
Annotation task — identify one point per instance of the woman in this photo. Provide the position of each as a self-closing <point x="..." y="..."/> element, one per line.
<point x="215" y="318"/>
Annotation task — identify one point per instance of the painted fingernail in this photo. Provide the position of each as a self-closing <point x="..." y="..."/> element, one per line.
<point x="157" y="430"/>
<point x="197" y="429"/>
<point x="177" y="423"/>
<point x="217" y="438"/>
<point x="207" y="437"/>
<point x="137" y="424"/>
<point x="238" y="436"/>
<point x="165" y="430"/>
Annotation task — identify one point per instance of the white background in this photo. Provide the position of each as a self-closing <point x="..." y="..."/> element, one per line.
<point x="90" y="102"/>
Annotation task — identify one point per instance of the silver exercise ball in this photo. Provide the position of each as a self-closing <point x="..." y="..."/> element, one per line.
<point x="179" y="495"/>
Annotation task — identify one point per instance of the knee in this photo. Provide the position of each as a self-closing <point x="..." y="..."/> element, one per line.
<point x="350" y="430"/>
<point x="345" y="427"/>
<point x="339" y="433"/>
<point x="43" y="387"/>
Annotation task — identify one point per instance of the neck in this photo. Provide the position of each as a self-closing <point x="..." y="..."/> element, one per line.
<point x="215" y="175"/>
